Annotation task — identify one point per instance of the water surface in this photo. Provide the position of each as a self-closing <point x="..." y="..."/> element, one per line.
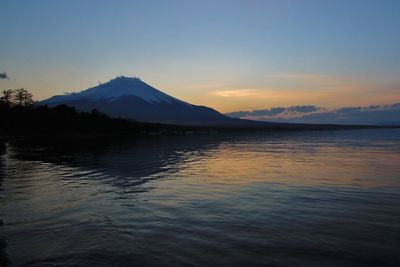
<point x="328" y="198"/>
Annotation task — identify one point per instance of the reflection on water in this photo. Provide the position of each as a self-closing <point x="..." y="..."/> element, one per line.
<point x="293" y="199"/>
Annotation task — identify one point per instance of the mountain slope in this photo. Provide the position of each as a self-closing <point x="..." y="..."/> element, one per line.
<point x="133" y="99"/>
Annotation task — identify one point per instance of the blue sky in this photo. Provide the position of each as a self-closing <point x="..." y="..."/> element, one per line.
<point x="231" y="55"/>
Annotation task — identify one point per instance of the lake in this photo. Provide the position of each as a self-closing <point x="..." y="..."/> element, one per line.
<point x="317" y="198"/>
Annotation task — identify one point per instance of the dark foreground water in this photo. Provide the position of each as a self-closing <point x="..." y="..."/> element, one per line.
<point x="279" y="199"/>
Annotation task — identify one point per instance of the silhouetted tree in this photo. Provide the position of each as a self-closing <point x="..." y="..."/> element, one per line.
<point x="28" y="100"/>
<point x="7" y="96"/>
<point x="19" y="96"/>
<point x="23" y="97"/>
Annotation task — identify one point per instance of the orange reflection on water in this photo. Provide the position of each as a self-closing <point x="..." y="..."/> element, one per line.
<point x="295" y="165"/>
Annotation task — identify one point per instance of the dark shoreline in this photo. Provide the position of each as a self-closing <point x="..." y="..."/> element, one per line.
<point x="177" y="130"/>
<point x="66" y="122"/>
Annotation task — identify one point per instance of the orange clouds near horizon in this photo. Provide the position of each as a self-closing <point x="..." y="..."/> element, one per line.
<point x="300" y="89"/>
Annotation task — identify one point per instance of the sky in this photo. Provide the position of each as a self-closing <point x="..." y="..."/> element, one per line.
<point x="229" y="55"/>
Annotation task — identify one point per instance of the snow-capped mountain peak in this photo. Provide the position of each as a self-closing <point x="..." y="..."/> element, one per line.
<point x="116" y="88"/>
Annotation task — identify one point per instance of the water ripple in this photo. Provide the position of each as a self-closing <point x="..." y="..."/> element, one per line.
<point x="293" y="199"/>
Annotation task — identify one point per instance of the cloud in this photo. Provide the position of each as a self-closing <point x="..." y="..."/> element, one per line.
<point x="381" y="115"/>
<point x="367" y="115"/>
<point x="273" y="112"/>
<point x="303" y="109"/>
<point x="237" y="93"/>
<point x="4" y="75"/>
<point x="291" y="89"/>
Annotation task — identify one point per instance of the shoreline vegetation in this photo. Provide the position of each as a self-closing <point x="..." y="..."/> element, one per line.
<point x="20" y="118"/>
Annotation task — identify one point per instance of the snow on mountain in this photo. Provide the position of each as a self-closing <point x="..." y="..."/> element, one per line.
<point x="112" y="90"/>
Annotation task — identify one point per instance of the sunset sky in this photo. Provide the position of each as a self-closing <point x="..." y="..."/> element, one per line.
<point x="229" y="55"/>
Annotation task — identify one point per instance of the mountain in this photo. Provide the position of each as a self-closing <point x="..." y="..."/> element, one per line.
<point x="133" y="99"/>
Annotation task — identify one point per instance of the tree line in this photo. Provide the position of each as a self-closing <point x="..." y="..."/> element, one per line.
<point x="17" y="97"/>
<point x="19" y="115"/>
